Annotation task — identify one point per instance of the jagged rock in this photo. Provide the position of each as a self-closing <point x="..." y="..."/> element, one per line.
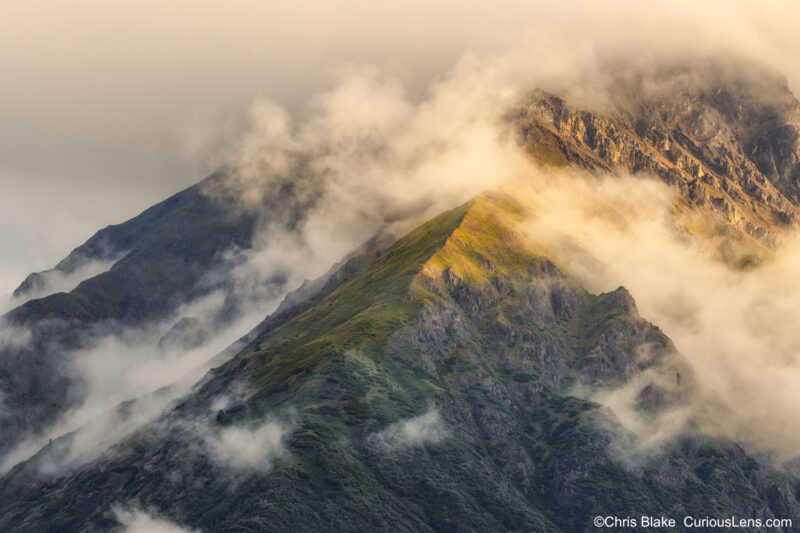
<point x="728" y="140"/>
<point x="459" y="324"/>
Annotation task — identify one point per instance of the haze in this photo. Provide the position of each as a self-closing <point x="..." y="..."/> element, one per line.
<point x="106" y="108"/>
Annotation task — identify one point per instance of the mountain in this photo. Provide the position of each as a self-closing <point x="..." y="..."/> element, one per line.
<point x="163" y="253"/>
<point x="432" y="390"/>
<point x="166" y="249"/>
<point x="171" y="255"/>
<point x="726" y="136"/>
<point x="443" y="381"/>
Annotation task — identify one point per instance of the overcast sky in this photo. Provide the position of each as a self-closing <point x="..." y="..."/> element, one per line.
<point x="108" y="107"/>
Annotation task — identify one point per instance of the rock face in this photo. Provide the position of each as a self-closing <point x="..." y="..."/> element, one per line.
<point x="444" y="382"/>
<point x="460" y="351"/>
<point x="726" y="136"/>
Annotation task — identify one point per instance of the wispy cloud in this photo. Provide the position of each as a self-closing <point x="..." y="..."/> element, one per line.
<point x="737" y="328"/>
<point x="135" y="520"/>
<point x="427" y="428"/>
<point x="53" y="281"/>
<point x="247" y="447"/>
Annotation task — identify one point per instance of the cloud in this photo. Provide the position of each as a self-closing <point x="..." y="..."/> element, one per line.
<point x="427" y="428"/>
<point x="127" y="376"/>
<point x="638" y="434"/>
<point x="247" y="448"/>
<point x="340" y="128"/>
<point x="96" y="92"/>
<point x="134" y="520"/>
<point x="737" y="328"/>
<point x="366" y="158"/>
<point x="13" y="336"/>
<point x="238" y="394"/>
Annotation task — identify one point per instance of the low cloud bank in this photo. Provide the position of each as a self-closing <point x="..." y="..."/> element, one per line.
<point x="130" y="375"/>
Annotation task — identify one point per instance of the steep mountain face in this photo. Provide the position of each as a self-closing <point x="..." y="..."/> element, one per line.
<point x="163" y="258"/>
<point x="442" y="382"/>
<point x="433" y="388"/>
<point x="162" y="254"/>
<point x="726" y="136"/>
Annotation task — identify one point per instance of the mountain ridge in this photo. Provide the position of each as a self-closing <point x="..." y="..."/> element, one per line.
<point x="712" y="132"/>
<point x="449" y="337"/>
<point x="443" y="379"/>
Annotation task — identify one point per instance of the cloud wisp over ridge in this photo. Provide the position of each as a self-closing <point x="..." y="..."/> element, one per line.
<point x="371" y="148"/>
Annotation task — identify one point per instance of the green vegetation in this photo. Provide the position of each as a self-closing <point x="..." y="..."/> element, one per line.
<point x="460" y="317"/>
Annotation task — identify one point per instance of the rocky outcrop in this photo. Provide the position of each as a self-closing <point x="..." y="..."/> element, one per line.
<point x="728" y="139"/>
<point x="461" y="320"/>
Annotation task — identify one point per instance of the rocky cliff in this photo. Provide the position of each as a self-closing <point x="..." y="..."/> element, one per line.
<point x="725" y="135"/>
<point x="447" y="381"/>
<point x="433" y="389"/>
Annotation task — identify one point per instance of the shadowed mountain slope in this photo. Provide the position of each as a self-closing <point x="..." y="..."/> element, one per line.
<point x="162" y="252"/>
<point x="433" y="390"/>
<point x="165" y="256"/>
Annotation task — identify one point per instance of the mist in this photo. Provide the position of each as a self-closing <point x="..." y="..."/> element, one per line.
<point x="105" y="110"/>
<point x="246" y="448"/>
<point x="135" y="520"/>
<point x="426" y="429"/>
<point x="372" y="120"/>
<point x="737" y="328"/>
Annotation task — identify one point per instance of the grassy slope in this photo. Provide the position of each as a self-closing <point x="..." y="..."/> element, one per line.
<point x="521" y="453"/>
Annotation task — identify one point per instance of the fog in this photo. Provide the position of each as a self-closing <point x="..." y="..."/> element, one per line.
<point x="737" y="328"/>
<point x="135" y="520"/>
<point x="374" y="117"/>
<point x="427" y="428"/>
<point x="106" y="109"/>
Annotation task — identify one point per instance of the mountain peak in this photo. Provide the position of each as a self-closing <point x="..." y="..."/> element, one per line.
<point x="727" y="139"/>
<point x="461" y="374"/>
